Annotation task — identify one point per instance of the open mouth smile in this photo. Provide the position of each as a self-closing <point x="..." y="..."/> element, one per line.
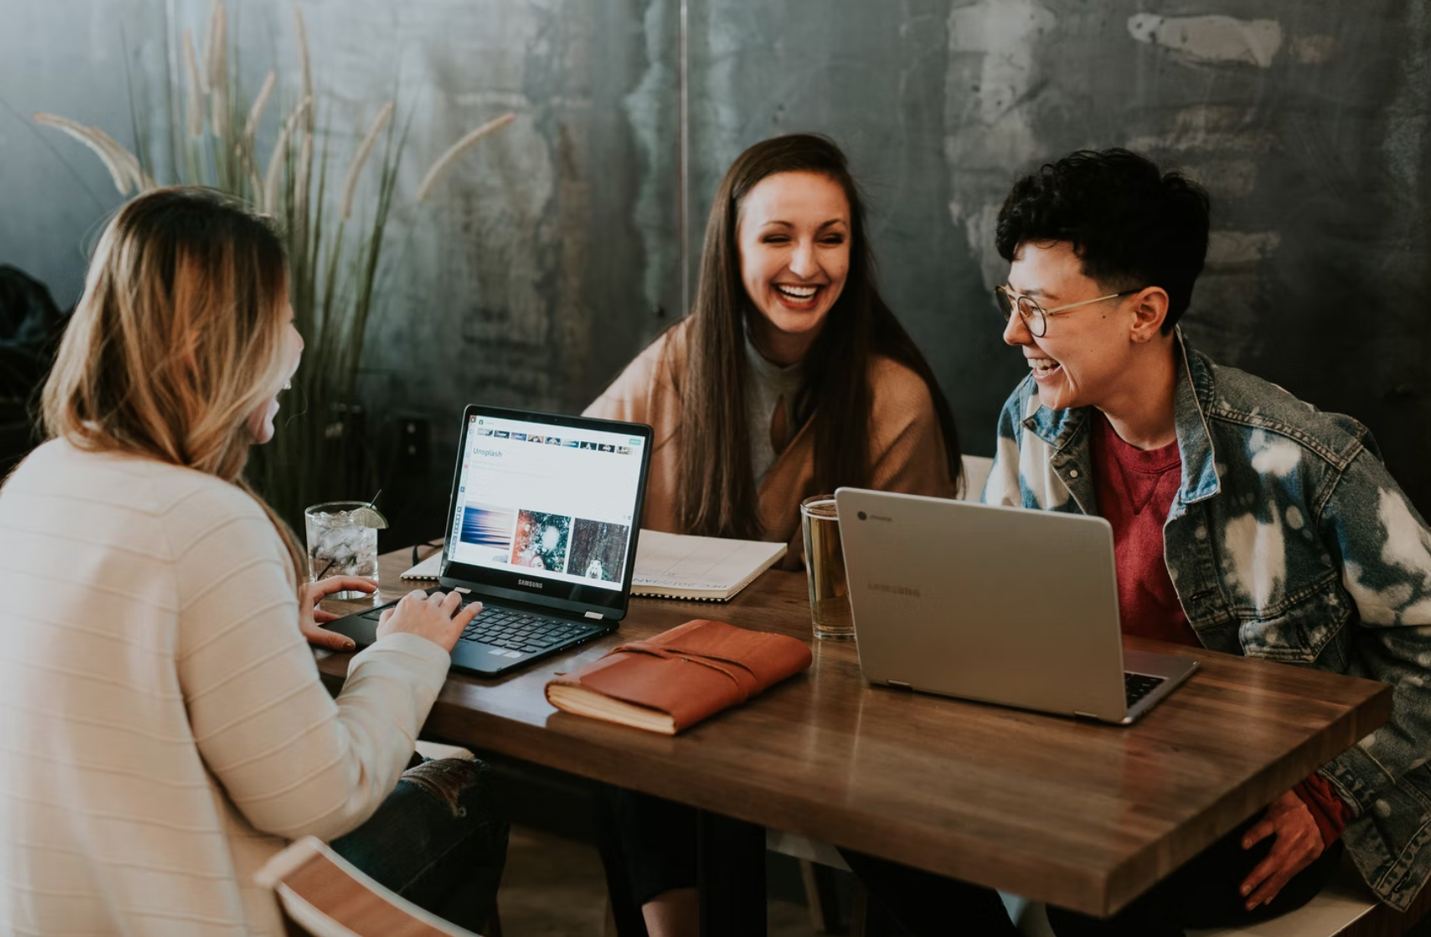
<point x="800" y="297"/>
<point x="1043" y="368"/>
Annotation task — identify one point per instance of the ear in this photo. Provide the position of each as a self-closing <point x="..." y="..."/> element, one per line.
<point x="1150" y="308"/>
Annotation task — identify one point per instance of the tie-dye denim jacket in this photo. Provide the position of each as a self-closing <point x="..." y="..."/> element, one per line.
<point x="1287" y="540"/>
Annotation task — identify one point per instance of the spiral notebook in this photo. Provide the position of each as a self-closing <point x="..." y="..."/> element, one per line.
<point x="678" y="566"/>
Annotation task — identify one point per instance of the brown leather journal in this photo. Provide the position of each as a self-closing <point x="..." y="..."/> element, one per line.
<point x="679" y="677"/>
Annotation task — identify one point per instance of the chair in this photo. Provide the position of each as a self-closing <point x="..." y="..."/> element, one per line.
<point x="323" y="895"/>
<point x="976" y="471"/>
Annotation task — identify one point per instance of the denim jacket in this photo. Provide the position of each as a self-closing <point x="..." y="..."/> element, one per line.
<point x="1287" y="540"/>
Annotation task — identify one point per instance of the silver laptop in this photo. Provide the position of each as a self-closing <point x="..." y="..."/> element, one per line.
<point x="1000" y="605"/>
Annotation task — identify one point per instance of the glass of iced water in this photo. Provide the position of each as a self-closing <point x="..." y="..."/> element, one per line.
<point x="343" y="541"/>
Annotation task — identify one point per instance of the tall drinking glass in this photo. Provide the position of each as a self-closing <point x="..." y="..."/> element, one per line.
<point x="825" y="569"/>
<point x="342" y="541"/>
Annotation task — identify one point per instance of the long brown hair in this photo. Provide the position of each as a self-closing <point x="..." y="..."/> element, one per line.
<point x="177" y="339"/>
<point x="716" y="493"/>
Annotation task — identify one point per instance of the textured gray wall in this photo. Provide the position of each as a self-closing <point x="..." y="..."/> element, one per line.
<point x="1307" y="122"/>
<point x="553" y="252"/>
<point x="64" y="57"/>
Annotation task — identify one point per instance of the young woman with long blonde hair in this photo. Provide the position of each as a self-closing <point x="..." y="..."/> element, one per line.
<point x="165" y="728"/>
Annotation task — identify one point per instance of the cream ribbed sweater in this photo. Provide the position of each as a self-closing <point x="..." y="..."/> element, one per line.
<point x="163" y="729"/>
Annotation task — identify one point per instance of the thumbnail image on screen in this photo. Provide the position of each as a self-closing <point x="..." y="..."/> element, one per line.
<point x="486" y="526"/>
<point x="598" y="551"/>
<point x="541" y="541"/>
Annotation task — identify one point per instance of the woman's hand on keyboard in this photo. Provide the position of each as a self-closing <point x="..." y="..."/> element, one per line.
<point x="439" y="617"/>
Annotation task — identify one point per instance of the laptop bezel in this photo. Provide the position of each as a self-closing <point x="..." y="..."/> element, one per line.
<point x="590" y="602"/>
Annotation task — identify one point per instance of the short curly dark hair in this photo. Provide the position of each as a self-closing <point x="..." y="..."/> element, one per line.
<point x="1131" y="225"/>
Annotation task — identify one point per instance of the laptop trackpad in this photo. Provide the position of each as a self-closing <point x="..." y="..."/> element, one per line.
<point x="361" y="628"/>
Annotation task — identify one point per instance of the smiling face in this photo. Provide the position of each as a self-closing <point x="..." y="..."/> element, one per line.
<point x="260" y="422"/>
<point x="794" y="239"/>
<point x="1085" y="357"/>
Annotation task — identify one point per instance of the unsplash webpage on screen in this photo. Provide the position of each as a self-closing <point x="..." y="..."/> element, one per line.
<point x="546" y="500"/>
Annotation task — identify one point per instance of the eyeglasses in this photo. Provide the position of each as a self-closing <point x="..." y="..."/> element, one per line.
<point x="1034" y="315"/>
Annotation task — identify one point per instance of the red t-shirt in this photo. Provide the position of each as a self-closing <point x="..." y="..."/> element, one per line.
<point x="1135" y="490"/>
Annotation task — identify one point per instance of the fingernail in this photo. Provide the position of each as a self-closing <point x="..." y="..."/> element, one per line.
<point x="349" y="645"/>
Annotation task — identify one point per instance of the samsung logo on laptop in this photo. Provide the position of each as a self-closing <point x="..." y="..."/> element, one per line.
<point x="895" y="590"/>
<point x="529" y="583"/>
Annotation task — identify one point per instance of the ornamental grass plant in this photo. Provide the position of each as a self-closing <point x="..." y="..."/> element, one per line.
<point x="335" y="237"/>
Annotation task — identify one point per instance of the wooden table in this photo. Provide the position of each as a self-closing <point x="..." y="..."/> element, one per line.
<point x="1075" y="814"/>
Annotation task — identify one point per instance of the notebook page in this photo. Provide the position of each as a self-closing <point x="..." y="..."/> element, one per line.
<point x="676" y="561"/>
<point x="430" y="568"/>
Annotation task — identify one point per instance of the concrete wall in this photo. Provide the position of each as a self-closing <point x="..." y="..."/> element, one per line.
<point x="554" y="252"/>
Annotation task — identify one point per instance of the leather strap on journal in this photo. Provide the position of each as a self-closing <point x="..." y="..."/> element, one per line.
<point x="739" y="673"/>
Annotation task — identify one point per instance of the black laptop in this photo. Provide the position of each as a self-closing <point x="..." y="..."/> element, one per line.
<point x="543" y="520"/>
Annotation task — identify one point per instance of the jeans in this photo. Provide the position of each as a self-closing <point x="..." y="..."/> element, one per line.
<point x="655" y="840"/>
<point x="436" y="841"/>
<point x="925" y="904"/>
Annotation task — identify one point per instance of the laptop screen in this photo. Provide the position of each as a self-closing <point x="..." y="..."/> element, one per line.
<point x="547" y="505"/>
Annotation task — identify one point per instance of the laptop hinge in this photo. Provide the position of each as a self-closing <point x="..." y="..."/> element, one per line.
<point x="1079" y="714"/>
<point x="596" y="615"/>
<point x="900" y="684"/>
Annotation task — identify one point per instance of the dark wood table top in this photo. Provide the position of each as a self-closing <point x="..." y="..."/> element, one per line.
<point x="1080" y="815"/>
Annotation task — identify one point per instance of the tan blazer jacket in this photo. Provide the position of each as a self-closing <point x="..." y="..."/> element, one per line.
<point x="906" y="444"/>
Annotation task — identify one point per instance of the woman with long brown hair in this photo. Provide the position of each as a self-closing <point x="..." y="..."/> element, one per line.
<point x="789" y="378"/>
<point x="166" y="730"/>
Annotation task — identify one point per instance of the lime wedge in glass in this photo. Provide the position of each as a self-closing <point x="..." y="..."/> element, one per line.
<point x="369" y="517"/>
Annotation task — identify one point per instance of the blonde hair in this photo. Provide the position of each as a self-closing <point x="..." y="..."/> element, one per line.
<point x="177" y="339"/>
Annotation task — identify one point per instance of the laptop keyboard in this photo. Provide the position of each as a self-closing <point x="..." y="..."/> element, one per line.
<point x="515" y="632"/>
<point x="1138" y="685"/>
<point x="523" y="632"/>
